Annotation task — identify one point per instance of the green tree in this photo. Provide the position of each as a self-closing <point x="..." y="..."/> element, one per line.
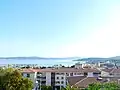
<point x="94" y="86"/>
<point x="111" y="86"/>
<point x="46" y="88"/>
<point x="49" y="87"/>
<point x="11" y="79"/>
<point x="104" y="86"/>
<point x="68" y="87"/>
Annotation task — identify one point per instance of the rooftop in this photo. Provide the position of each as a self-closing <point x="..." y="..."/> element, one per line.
<point x="61" y="70"/>
<point x="83" y="82"/>
<point x="115" y="70"/>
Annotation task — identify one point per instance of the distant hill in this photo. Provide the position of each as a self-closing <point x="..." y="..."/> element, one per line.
<point x="34" y="57"/>
<point x="115" y="58"/>
<point x="97" y="59"/>
<point x="90" y="59"/>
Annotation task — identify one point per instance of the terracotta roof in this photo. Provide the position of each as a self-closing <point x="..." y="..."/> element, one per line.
<point x="89" y="80"/>
<point x="86" y="81"/>
<point x="83" y="82"/>
<point x="81" y="70"/>
<point x="107" y="70"/>
<point x="74" y="79"/>
<point x="68" y="70"/>
<point x="115" y="70"/>
<point x="29" y="70"/>
<point x="91" y="70"/>
<point x="61" y="70"/>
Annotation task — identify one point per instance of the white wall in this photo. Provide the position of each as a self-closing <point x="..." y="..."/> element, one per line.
<point x="64" y="80"/>
<point x="48" y="78"/>
<point x="103" y="73"/>
<point x="90" y="74"/>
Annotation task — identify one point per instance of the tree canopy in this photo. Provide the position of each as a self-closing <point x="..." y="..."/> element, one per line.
<point x="97" y="86"/>
<point x="68" y="87"/>
<point x="11" y="79"/>
<point x="46" y="88"/>
<point x="104" y="86"/>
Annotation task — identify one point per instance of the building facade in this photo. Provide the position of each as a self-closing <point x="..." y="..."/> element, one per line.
<point x="57" y="78"/>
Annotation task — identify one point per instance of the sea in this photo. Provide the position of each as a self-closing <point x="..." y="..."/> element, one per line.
<point x="41" y="62"/>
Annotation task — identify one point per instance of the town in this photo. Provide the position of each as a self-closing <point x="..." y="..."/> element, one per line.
<point x="59" y="45"/>
<point x="77" y="76"/>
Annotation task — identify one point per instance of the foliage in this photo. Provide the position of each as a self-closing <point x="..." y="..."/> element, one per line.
<point x="93" y="86"/>
<point x="11" y="79"/>
<point x="43" y="87"/>
<point x="68" y="87"/>
<point x="104" y="86"/>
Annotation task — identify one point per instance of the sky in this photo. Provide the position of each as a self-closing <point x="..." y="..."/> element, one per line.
<point x="60" y="28"/>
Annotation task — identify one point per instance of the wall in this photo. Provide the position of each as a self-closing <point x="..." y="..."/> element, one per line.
<point x="90" y="74"/>
<point x="61" y="80"/>
<point x="48" y="78"/>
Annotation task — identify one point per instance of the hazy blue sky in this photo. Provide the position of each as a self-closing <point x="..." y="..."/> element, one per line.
<point x="60" y="28"/>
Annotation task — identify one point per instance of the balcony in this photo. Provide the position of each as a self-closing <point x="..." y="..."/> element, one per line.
<point x="59" y="74"/>
<point x="41" y="78"/>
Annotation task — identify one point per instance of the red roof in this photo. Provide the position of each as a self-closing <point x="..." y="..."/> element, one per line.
<point x="115" y="70"/>
<point x="61" y="70"/>
<point x="30" y="70"/>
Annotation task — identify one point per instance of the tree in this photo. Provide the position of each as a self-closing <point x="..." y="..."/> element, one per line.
<point x="104" y="86"/>
<point x="111" y="86"/>
<point x="49" y="87"/>
<point x="94" y="86"/>
<point x="68" y="87"/>
<point x="46" y="88"/>
<point x="11" y="79"/>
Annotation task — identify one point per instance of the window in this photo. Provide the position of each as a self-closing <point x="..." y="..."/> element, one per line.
<point x="28" y="75"/>
<point x="66" y="83"/>
<point x="38" y="76"/>
<point x="58" y="73"/>
<point x="85" y="73"/>
<point x="95" y="73"/>
<point x="67" y="74"/>
<point x="39" y="73"/>
<point x="43" y="77"/>
<point x="57" y="77"/>
<point x="111" y="74"/>
<point x="38" y="81"/>
<point x="57" y="82"/>
<point x="43" y="82"/>
<point x="62" y="73"/>
<point x="62" y="82"/>
<point x="71" y="74"/>
<point x="62" y="77"/>
<point x="78" y="73"/>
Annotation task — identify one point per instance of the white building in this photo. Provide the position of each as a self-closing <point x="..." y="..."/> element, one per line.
<point x="57" y="78"/>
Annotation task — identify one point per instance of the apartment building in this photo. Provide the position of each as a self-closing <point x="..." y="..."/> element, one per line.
<point x="57" y="78"/>
<point x="111" y="75"/>
<point x="107" y="75"/>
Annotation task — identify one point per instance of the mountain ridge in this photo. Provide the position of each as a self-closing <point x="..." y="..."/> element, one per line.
<point x="35" y="57"/>
<point x="98" y="59"/>
<point x="74" y="58"/>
